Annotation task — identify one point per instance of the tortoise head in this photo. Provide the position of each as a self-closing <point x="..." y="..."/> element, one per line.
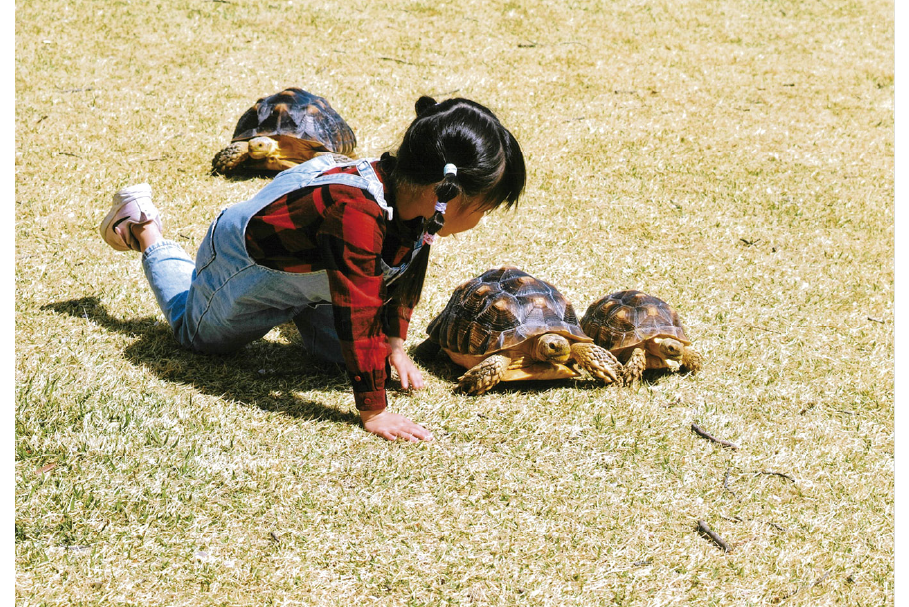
<point x="552" y="347"/>
<point x="669" y="348"/>
<point x="262" y="147"/>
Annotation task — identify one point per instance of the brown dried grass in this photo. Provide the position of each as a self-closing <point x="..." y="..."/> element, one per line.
<point x="734" y="158"/>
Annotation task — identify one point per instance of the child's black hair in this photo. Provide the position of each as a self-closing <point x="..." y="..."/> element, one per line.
<point x="489" y="161"/>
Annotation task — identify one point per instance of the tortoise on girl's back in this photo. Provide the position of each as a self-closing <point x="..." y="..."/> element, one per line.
<point x="283" y="130"/>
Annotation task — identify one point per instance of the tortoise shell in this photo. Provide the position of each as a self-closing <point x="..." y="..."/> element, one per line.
<point x="626" y="319"/>
<point x="296" y="113"/>
<point x="501" y="309"/>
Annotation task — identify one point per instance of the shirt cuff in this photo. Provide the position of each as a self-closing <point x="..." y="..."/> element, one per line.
<point x="370" y="401"/>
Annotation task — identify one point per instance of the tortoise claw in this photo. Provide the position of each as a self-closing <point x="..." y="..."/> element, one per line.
<point x="597" y="361"/>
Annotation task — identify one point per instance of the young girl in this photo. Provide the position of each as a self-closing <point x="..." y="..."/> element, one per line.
<point x="339" y="246"/>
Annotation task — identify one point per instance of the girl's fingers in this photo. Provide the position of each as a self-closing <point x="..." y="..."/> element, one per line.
<point x="415" y="377"/>
<point x="421" y="433"/>
<point x="408" y="373"/>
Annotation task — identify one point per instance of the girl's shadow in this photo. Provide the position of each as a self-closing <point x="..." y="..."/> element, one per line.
<point x="263" y="374"/>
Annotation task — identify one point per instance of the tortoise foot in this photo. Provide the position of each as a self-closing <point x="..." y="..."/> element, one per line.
<point x="634" y="368"/>
<point x="597" y="361"/>
<point x="692" y="360"/>
<point x="230" y="157"/>
<point x="484" y="375"/>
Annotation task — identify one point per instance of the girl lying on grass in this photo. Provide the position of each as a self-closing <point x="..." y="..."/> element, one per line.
<point x="341" y="247"/>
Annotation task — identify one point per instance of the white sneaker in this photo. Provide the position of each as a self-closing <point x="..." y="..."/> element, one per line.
<point x="131" y="206"/>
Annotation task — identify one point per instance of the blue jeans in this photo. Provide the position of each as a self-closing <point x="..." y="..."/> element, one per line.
<point x="224" y="299"/>
<point x="205" y="319"/>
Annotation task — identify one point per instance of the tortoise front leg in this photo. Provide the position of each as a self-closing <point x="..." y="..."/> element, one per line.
<point x="597" y="361"/>
<point x="230" y="157"/>
<point x="692" y="359"/>
<point x="484" y="375"/>
<point x="634" y="368"/>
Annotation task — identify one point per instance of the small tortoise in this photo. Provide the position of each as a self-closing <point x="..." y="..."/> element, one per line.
<point x="642" y="331"/>
<point x="283" y="130"/>
<point x="507" y="325"/>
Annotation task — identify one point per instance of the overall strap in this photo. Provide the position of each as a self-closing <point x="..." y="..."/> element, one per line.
<point x="364" y="167"/>
<point x="367" y="180"/>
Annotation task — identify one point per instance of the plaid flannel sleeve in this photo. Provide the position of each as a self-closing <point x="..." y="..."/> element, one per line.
<point x="397" y="320"/>
<point x="351" y="240"/>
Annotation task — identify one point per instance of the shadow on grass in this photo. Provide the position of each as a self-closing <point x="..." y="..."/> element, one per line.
<point x="242" y="174"/>
<point x="436" y="362"/>
<point x="263" y="374"/>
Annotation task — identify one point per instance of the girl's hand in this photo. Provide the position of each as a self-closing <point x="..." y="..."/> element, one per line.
<point x="407" y="371"/>
<point x="392" y="426"/>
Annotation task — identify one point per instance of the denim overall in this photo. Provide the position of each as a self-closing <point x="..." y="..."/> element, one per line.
<point x="225" y="299"/>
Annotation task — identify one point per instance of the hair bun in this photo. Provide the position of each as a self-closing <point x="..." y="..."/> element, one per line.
<point x="423" y="104"/>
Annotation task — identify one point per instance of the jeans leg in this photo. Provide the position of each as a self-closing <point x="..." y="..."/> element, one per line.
<point x="316" y="324"/>
<point x="169" y="270"/>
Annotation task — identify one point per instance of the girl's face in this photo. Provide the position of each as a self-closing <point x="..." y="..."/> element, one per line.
<point x="462" y="214"/>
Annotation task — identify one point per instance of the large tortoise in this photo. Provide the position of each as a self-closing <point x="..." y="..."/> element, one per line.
<point x="642" y="331"/>
<point x="507" y="325"/>
<point x="283" y="130"/>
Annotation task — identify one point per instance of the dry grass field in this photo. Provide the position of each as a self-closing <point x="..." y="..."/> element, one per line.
<point x="733" y="157"/>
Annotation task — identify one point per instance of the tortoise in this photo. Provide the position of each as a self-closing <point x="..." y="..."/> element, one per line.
<point x="283" y="130"/>
<point x="643" y="332"/>
<point x="507" y="325"/>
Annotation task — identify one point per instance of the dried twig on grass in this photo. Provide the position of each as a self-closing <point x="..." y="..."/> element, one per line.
<point x="401" y="61"/>
<point x="700" y="431"/>
<point x="771" y="473"/>
<point x="822" y="578"/>
<point x="705" y="529"/>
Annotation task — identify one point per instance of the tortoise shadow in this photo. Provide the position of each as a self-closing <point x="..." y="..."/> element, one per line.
<point x="263" y="374"/>
<point x="437" y="363"/>
<point x="239" y="175"/>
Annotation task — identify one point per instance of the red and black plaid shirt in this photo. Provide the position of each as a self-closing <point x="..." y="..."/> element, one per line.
<point x="343" y="230"/>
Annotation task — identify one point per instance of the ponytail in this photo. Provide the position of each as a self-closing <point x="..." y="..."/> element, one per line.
<point x="408" y="288"/>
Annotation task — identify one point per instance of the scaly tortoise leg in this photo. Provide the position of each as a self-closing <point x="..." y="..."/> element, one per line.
<point x="230" y="157"/>
<point x="485" y="374"/>
<point x="692" y="359"/>
<point x="597" y="361"/>
<point x="634" y="368"/>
